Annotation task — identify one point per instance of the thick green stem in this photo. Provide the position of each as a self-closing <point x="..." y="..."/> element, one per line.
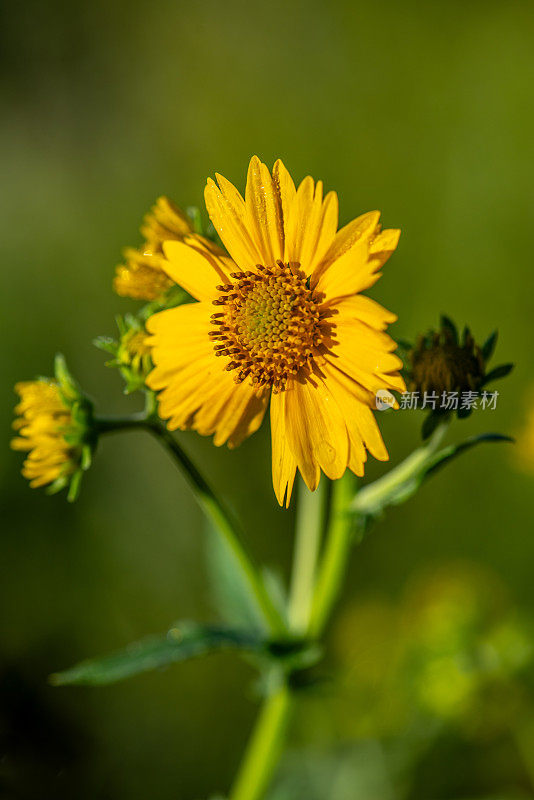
<point x="334" y="561"/>
<point x="213" y="507"/>
<point x="265" y="746"/>
<point x="310" y="520"/>
<point x="267" y="740"/>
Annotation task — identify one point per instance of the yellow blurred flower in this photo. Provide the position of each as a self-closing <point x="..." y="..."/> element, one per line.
<point x="142" y="276"/>
<point x="290" y="326"/>
<point x="445" y="650"/>
<point x="137" y="346"/>
<point x="524" y="451"/>
<point x="54" y="429"/>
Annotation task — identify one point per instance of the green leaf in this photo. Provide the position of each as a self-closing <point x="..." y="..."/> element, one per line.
<point x="74" y="486"/>
<point x="489" y="346"/>
<point x="403" y="481"/>
<point x="107" y="344"/>
<point x="230" y="595"/>
<point x="183" y="641"/>
<point x="448" y="325"/>
<point x="499" y="372"/>
<point x="69" y="387"/>
<point x="454" y="450"/>
<point x="274" y="583"/>
<point x="466" y="335"/>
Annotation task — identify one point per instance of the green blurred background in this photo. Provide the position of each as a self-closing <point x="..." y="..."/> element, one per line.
<point x="424" y="110"/>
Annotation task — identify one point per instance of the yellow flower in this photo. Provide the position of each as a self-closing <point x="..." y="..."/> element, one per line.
<point x="524" y="452"/>
<point x="137" y="347"/>
<point x="53" y="426"/>
<point x="281" y="318"/>
<point x="142" y="276"/>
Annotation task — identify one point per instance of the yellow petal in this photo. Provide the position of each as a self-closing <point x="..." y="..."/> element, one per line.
<point x="316" y="429"/>
<point x="359" y="307"/>
<point x="226" y="208"/>
<point x="262" y="213"/>
<point x="284" y="464"/>
<point x="180" y="326"/>
<point x="231" y="411"/>
<point x="365" y="355"/>
<point x="314" y="224"/>
<point x="299" y="213"/>
<point x="285" y="190"/>
<point x="340" y="271"/>
<point x="197" y="271"/>
<point x="251" y="418"/>
<point x="361" y="423"/>
<point x="382" y="246"/>
<point x="195" y="390"/>
<point x="242" y="415"/>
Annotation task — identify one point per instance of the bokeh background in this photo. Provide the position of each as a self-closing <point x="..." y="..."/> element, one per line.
<point x="424" y="110"/>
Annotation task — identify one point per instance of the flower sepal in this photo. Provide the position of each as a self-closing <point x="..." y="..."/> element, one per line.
<point x="131" y="354"/>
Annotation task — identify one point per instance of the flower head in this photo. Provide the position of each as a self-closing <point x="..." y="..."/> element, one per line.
<point x="142" y="276"/>
<point x="442" y="362"/>
<point x="280" y="317"/>
<point x="54" y="426"/>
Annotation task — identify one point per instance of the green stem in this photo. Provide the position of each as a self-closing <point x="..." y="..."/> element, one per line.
<point x="113" y="424"/>
<point x="212" y="506"/>
<point x="310" y="520"/>
<point x="344" y="518"/>
<point x="370" y="497"/>
<point x="265" y="746"/>
<point x="334" y="561"/>
<point x="267" y="741"/>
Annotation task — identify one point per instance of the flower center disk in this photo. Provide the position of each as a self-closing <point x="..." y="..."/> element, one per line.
<point x="270" y="325"/>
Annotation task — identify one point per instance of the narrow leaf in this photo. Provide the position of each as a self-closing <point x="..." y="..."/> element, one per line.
<point x="498" y="372"/>
<point x="466" y="334"/>
<point x="106" y="343"/>
<point x="183" y="641"/>
<point x="449" y="453"/>
<point x="403" y="481"/>
<point x="448" y="324"/>
<point x="230" y="597"/>
<point x="489" y="346"/>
